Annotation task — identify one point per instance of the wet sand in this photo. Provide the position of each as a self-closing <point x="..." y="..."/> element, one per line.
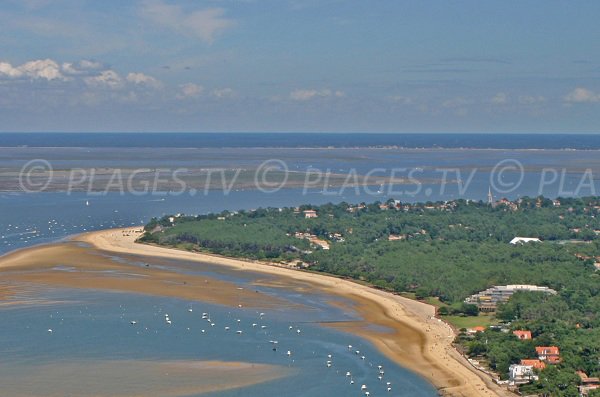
<point x="133" y="378"/>
<point x="411" y="336"/>
<point x="71" y="265"/>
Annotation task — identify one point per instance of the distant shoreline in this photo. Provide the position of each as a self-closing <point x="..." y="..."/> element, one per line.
<point x="404" y="148"/>
<point x="304" y="140"/>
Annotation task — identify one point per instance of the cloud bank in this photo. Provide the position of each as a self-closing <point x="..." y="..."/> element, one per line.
<point x="582" y="95"/>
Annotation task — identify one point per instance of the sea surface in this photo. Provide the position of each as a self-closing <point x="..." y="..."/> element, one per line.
<point x="297" y="140"/>
<point x="94" y="326"/>
<point x="91" y="329"/>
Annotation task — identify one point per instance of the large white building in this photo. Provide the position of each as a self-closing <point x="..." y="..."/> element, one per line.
<point x="521" y="374"/>
<point x="489" y="299"/>
<point x="523" y="240"/>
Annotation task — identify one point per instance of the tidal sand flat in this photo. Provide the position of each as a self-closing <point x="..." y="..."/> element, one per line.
<point x="73" y="265"/>
<point x="132" y="378"/>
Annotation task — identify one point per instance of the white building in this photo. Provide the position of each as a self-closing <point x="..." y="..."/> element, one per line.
<point x="488" y="299"/>
<point x="523" y="240"/>
<point x="521" y="374"/>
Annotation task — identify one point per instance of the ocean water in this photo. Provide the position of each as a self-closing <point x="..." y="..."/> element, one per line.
<point x="94" y="326"/>
<point x="246" y="140"/>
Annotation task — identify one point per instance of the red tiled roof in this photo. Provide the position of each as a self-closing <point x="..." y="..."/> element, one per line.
<point x="524" y="335"/>
<point x="534" y="363"/>
<point x="547" y="350"/>
<point x="553" y="359"/>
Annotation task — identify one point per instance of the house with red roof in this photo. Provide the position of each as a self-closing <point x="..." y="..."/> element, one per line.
<point x="537" y="364"/>
<point x="549" y="354"/>
<point x="587" y="384"/>
<point x="522" y="334"/>
<point x="475" y="330"/>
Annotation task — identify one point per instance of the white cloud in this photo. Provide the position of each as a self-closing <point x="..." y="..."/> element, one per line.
<point x="143" y="79"/>
<point x="6" y="69"/>
<point x="305" y="95"/>
<point x="500" y="99"/>
<point x="582" y="95"/>
<point x="190" y="90"/>
<point x="110" y="79"/>
<point x="69" y="68"/>
<point x="42" y="69"/>
<point x="203" y="24"/>
<point x="87" y="64"/>
<point x="83" y="67"/>
<point x="222" y="93"/>
<point x="38" y="69"/>
<point x="106" y="78"/>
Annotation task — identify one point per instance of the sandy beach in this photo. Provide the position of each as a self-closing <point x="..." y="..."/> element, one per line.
<point x="407" y="332"/>
<point x="416" y="339"/>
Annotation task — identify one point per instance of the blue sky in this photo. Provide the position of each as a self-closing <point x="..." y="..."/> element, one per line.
<point x="300" y="65"/>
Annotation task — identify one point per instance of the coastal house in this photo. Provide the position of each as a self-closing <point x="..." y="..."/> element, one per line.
<point x="522" y="334"/>
<point x="314" y="240"/>
<point x="536" y="364"/>
<point x="522" y="240"/>
<point x="549" y="354"/>
<point x="521" y="374"/>
<point x="310" y="214"/>
<point x="488" y="300"/>
<point x="354" y="209"/>
<point x="587" y="384"/>
<point x="475" y="330"/>
<point x="505" y="203"/>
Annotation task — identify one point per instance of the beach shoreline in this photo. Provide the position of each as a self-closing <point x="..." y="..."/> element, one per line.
<point x="406" y="331"/>
<point x="417" y="339"/>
